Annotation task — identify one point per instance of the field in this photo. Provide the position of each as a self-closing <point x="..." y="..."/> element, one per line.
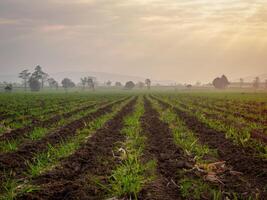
<point x="133" y="145"/>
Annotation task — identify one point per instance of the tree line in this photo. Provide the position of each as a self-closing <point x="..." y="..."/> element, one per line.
<point x="222" y="82"/>
<point x="36" y="81"/>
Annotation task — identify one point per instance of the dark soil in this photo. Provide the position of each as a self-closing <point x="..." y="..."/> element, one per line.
<point x="161" y="147"/>
<point x="254" y="169"/>
<point x="16" y="162"/>
<point x="4" y="116"/>
<point x="253" y="107"/>
<point x="258" y="134"/>
<point x="231" y="112"/>
<point x="77" y="175"/>
<point x="28" y="117"/>
<point x="22" y="132"/>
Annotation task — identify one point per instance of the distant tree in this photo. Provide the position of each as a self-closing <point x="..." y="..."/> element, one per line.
<point x="256" y="83"/>
<point x="52" y="83"/>
<point x="129" y="85"/>
<point x="217" y="83"/>
<point x="221" y="83"/>
<point x="148" y="83"/>
<point x="88" y="82"/>
<point x="37" y="74"/>
<point x="140" y="85"/>
<point x="56" y="85"/>
<point x="198" y="83"/>
<point x="266" y="84"/>
<point x="40" y="75"/>
<point x="84" y="82"/>
<point x="67" y="83"/>
<point x="91" y="83"/>
<point x="225" y="80"/>
<point x="25" y="75"/>
<point x="118" y="84"/>
<point x="8" y="88"/>
<point x="108" y="83"/>
<point x="35" y="84"/>
<point x="44" y="79"/>
<point x="189" y="86"/>
<point x="241" y="82"/>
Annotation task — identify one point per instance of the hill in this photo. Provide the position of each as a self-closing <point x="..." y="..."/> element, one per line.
<point x="100" y="76"/>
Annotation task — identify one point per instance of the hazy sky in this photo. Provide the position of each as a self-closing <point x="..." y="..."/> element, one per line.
<point x="182" y="40"/>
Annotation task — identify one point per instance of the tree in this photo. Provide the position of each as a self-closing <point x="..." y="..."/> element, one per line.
<point x="189" y="86"/>
<point x="225" y="80"/>
<point x="8" y="88"/>
<point x="129" y="85"/>
<point x="44" y="79"/>
<point x="256" y="83"/>
<point x="40" y="75"/>
<point x="198" y="83"/>
<point x="118" y="84"/>
<point x="217" y="83"/>
<point x="88" y="81"/>
<point x="221" y="83"/>
<point x="266" y="84"/>
<point x="241" y="81"/>
<point x="140" y="85"/>
<point x="37" y="74"/>
<point x="34" y="83"/>
<point x="108" y="83"/>
<point x="91" y="83"/>
<point x="84" y="81"/>
<point x="52" y="83"/>
<point x="25" y="75"/>
<point x="67" y="83"/>
<point x="148" y="83"/>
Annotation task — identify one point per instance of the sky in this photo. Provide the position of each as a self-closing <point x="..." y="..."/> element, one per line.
<point x="180" y="40"/>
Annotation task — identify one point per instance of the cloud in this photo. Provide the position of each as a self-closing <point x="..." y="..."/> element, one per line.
<point x="5" y="21"/>
<point x="53" y="28"/>
<point x="135" y="36"/>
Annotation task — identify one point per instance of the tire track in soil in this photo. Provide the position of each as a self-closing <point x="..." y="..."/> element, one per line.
<point x="169" y="157"/>
<point x="73" y="179"/>
<point x="242" y="159"/>
<point x="22" y="132"/>
<point x="16" y="162"/>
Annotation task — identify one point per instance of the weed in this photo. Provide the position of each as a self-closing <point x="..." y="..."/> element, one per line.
<point x="38" y="133"/>
<point x="9" y="145"/>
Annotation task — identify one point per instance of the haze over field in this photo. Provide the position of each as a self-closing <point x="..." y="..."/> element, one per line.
<point x="180" y="40"/>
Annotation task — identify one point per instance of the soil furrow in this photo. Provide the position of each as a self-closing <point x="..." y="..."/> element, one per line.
<point x="22" y="132"/>
<point x="4" y="116"/>
<point x="34" y="119"/>
<point x="257" y="134"/>
<point x="17" y="161"/>
<point x="242" y="159"/>
<point x="77" y="175"/>
<point x="224" y="110"/>
<point x="223" y="104"/>
<point x="161" y="147"/>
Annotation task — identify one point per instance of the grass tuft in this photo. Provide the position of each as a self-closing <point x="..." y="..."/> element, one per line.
<point x="9" y="145"/>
